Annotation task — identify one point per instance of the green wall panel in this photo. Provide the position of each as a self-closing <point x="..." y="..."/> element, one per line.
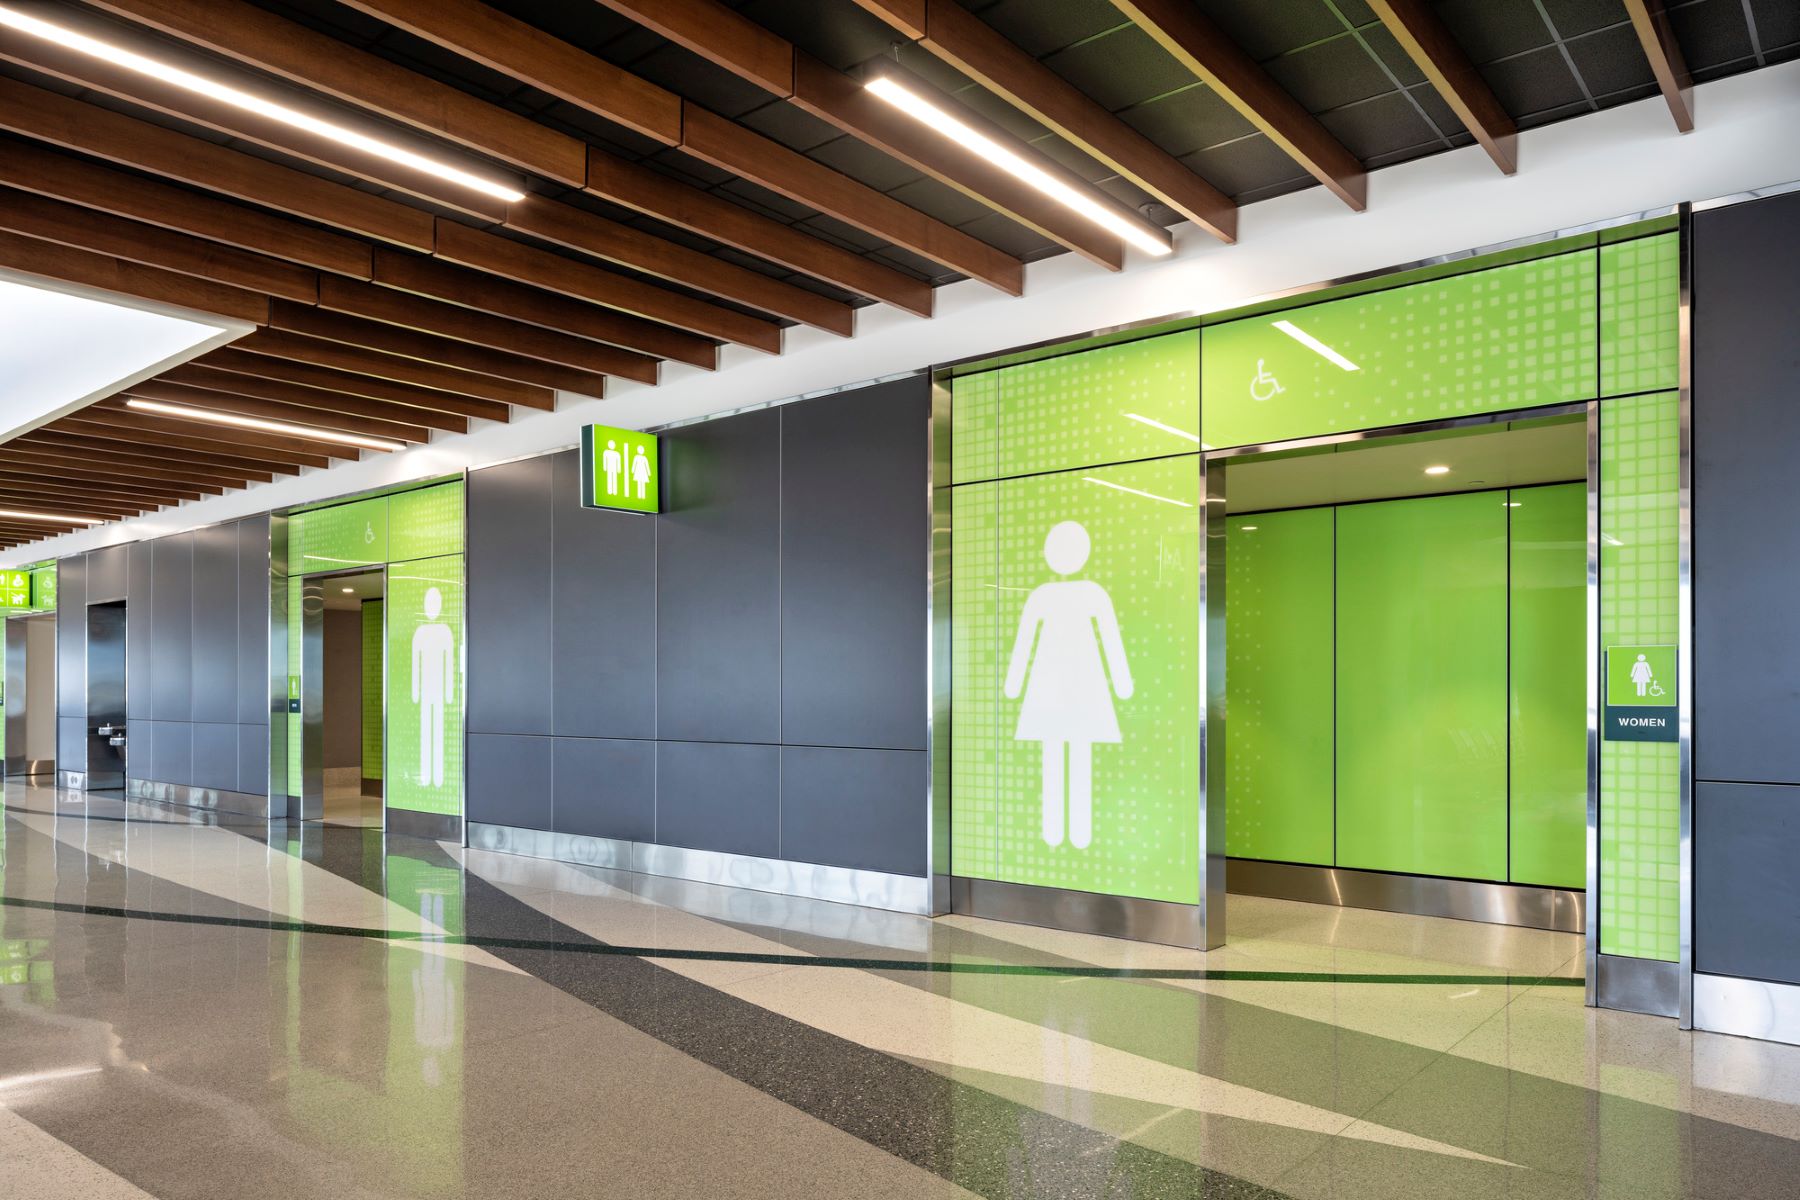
<point x="1280" y="773"/>
<point x="1640" y="326"/>
<point x="341" y="536"/>
<point x="1547" y="700"/>
<point x="1040" y="680"/>
<point x="1506" y="337"/>
<point x="426" y="685"/>
<point x="374" y="643"/>
<point x="1640" y="782"/>
<point x="426" y="522"/>
<point x="1421" y="686"/>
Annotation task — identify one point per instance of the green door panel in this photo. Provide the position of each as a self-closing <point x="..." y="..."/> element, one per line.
<point x="1421" y="686"/>
<point x="1548" y="698"/>
<point x="1278" y="726"/>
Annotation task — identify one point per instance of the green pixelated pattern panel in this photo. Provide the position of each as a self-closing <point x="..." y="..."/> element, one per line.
<point x="426" y="685"/>
<point x="344" y="535"/>
<point x="1141" y="839"/>
<point x="1640" y="782"/>
<point x="1640" y="315"/>
<point x="426" y="522"/>
<point x="374" y="642"/>
<point x="1508" y="337"/>
<point x="1119" y="403"/>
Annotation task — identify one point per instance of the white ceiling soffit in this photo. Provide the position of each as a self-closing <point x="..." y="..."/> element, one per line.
<point x="64" y="347"/>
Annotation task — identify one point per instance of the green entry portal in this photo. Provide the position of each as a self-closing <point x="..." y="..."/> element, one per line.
<point x="1203" y="616"/>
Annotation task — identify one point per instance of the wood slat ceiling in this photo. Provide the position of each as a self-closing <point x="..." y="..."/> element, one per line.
<point x="698" y="174"/>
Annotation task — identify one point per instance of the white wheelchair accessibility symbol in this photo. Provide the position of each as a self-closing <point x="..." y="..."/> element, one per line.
<point x="1264" y="386"/>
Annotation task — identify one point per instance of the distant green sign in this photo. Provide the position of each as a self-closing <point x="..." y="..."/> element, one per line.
<point x="1640" y="694"/>
<point x="15" y="590"/>
<point x="43" y="588"/>
<point x="620" y="469"/>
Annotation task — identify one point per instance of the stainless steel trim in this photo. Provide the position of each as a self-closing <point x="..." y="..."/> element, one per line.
<point x="248" y="803"/>
<point x="1409" y="430"/>
<point x="1080" y="912"/>
<point x="1592" y="948"/>
<point x="280" y="798"/>
<point x="1761" y="193"/>
<point x="311" y="805"/>
<point x="1684" y="637"/>
<point x="762" y="404"/>
<point x="1563" y="910"/>
<point x="1213" y="866"/>
<point x="440" y="827"/>
<point x="938" y="630"/>
<point x="811" y="881"/>
<point x="1639" y="985"/>
<point x="1752" y="1008"/>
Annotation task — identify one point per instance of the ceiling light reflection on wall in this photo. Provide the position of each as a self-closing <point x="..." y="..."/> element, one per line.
<point x="1315" y="345"/>
<point x="909" y="101"/>
<point x="70" y="39"/>
<point x="48" y="518"/>
<point x="1153" y="423"/>
<point x="1119" y="487"/>
<point x="241" y="422"/>
<point x="1440" y="470"/>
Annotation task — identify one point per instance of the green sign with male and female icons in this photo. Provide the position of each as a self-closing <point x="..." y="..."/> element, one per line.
<point x="620" y="469"/>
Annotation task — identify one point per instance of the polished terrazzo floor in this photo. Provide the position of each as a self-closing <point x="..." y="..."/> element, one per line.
<point x="194" y="1005"/>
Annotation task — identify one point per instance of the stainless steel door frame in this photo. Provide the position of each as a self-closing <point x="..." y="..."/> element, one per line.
<point x="107" y="757"/>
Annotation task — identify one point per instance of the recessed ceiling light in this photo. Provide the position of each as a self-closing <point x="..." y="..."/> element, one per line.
<point x="911" y="102"/>
<point x="242" y="422"/>
<point x="48" y="518"/>
<point x="1438" y="470"/>
<point x="349" y="591"/>
<point x="237" y="98"/>
<point x="1315" y="345"/>
<point x="1246" y="529"/>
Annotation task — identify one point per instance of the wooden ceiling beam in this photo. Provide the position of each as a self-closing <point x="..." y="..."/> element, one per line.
<point x="294" y="348"/>
<point x="135" y="457"/>
<point x="85" y="467"/>
<point x="32" y="477"/>
<point x="327" y="378"/>
<point x="527" y="264"/>
<point x="34" y="168"/>
<point x="89" y="129"/>
<point x="1650" y="21"/>
<point x="191" y="108"/>
<point x="203" y="386"/>
<point x="720" y="35"/>
<point x="730" y="147"/>
<point x="133" y="241"/>
<point x="80" y="504"/>
<point x="609" y="241"/>
<point x="1202" y="47"/>
<point x="638" y="187"/>
<point x="454" y="285"/>
<point x="320" y="63"/>
<point x="406" y="343"/>
<point x="125" y="424"/>
<point x="53" y="260"/>
<point x="960" y="38"/>
<point x="1416" y="25"/>
<point x="306" y="451"/>
<point x="498" y="41"/>
<point x="173" y="452"/>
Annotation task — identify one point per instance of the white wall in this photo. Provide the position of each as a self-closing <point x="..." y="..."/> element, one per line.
<point x="1623" y="161"/>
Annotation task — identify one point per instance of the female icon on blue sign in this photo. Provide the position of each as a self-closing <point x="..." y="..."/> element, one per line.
<point x="1067" y="646"/>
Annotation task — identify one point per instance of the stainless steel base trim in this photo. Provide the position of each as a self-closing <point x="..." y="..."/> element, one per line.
<point x="436" y="826"/>
<point x="74" y="781"/>
<point x="1563" y="910"/>
<point x="810" y="881"/>
<point x="248" y="803"/>
<point x="1079" y="912"/>
<point x="1639" y="985"/>
<point x="1753" y="1008"/>
<point x="24" y="768"/>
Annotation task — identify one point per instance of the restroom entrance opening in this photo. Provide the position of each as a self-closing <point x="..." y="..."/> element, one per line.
<point x="1406" y="671"/>
<point x="30" y="696"/>
<point x="342" y="685"/>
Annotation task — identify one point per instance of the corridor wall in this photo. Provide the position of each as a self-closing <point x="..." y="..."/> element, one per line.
<point x="743" y="673"/>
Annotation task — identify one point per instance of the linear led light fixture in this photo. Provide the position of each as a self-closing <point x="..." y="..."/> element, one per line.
<point x="921" y="109"/>
<point x="1315" y="345"/>
<point x="70" y="39"/>
<point x="242" y="422"/>
<point x="48" y="518"/>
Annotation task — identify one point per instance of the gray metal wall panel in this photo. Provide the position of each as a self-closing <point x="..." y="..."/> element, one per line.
<point x="214" y="675"/>
<point x="253" y="621"/>
<point x="253" y="758"/>
<point x="1746" y="508"/>
<point x="140" y="749"/>
<point x="71" y="650"/>
<point x="139" y="630"/>
<point x="71" y="743"/>
<point x="509" y="563"/>
<point x="215" y="762"/>
<point x="108" y="574"/>
<point x="172" y="631"/>
<point x="605" y="788"/>
<point x="509" y="780"/>
<point x="715" y="796"/>
<point x="1746" y="891"/>
<point x="855" y="543"/>
<point x="603" y="601"/>
<point x="854" y="808"/>
<point x="718" y="581"/>
<point x="172" y="754"/>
